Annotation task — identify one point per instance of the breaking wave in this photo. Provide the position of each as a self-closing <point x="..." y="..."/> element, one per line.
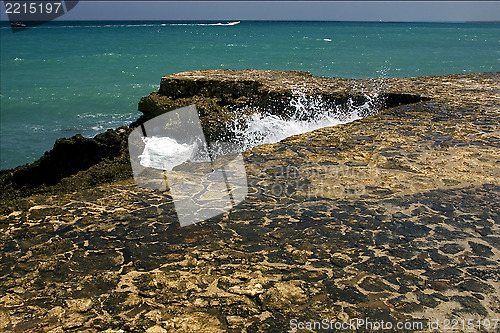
<point x="310" y="113"/>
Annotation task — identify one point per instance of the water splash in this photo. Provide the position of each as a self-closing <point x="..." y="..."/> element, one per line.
<point x="310" y="112"/>
<point x="306" y="113"/>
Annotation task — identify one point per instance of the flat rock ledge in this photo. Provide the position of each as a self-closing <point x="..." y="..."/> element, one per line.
<point x="221" y="95"/>
<point x="394" y="217"/>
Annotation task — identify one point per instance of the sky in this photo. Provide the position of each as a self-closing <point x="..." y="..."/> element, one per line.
<point x="402" y="11"/>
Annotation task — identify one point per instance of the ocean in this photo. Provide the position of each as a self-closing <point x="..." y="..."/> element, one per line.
<point x="64" y="78"/>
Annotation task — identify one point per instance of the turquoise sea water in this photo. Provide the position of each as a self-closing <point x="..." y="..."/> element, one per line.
<point x="64" y="78"/>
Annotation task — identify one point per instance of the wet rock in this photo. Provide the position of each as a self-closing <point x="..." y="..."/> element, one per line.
<point x="156" y="329"/>
<point x="470" y="305"/>
<point x="374" y="285"/>
<point x="438" y="257"/>
<point x="234" y="322"/>
<point x="283" y="295"/>
<point x="480" y="249"/>
<point x="446" y="273"/>
<point x="427" y="300"/>
<point x="476" y="286"/>
<point x="402" y="303"/>
<point x="72" y="164"/>
<point x="378" y="265"/>
<point x="439" y="285"/>
<point x="452" y="248"/>
<point x="80" y="305"/>
<point x="194" y="321"/>
<point x="417" y="263"/>
<point x="68" y="157"/>
<point x="345" y="294"/>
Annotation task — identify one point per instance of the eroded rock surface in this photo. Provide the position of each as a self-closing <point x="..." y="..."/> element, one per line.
<point x="394" y="217"/>
<point x="223" y="94"/>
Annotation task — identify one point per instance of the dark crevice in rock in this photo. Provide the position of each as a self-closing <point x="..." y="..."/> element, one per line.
<point x="397" y="99"/>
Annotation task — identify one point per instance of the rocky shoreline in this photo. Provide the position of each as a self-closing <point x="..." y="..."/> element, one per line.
<point x="394" y="217"/>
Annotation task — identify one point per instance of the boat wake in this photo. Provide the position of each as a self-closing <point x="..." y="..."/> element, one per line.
<point x="207" y="24"/>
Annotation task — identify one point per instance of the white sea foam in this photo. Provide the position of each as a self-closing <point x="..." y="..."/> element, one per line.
<point x="310" y="113"/>
<point x="164" y="153"/>
<point x="262" y="129"/>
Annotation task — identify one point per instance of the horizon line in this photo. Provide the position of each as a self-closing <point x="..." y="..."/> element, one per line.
<point x="254" y="20"/>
